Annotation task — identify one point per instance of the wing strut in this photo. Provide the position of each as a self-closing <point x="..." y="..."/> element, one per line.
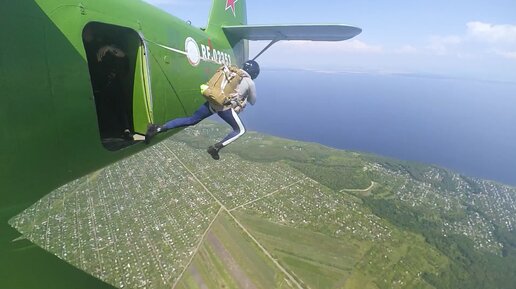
<point x="266" y="47"/>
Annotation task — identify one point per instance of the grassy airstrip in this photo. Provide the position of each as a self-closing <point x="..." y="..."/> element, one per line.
<point x="315" y="259"/>
<point x="230" y="259"/>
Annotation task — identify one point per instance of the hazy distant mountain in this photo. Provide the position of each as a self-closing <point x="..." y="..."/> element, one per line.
<point x="275" y="213"/>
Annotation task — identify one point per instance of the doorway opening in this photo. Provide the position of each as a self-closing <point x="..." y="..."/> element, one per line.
<point x="119" y="84"/>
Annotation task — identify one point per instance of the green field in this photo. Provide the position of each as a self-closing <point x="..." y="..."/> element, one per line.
<point x="229" y="259"/>
<point x="314" y="258"/>
<point x="321" y="258"/>
<point x="276" y="213"/>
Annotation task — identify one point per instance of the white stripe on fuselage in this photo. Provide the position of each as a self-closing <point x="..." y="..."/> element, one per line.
<point x="170" y="48"/>
<point x="207" y="55"/>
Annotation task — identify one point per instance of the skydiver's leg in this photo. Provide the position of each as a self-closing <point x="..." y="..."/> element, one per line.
<point x="202" y="112"/>
<point x="231" y="117"/>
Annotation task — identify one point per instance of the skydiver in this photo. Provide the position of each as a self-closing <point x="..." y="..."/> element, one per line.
<point x="245" y="92"/>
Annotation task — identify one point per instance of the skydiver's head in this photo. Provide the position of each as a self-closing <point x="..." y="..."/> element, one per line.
<point x="252" y="68"/>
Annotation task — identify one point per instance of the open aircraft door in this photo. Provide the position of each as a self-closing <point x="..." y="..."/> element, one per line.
<point x="121" y="82"/>
<point x="142" y="96"/>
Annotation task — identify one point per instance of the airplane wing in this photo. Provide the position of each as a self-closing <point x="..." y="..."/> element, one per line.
<point x="275" y="33"/>
<point x="312" y="32"/>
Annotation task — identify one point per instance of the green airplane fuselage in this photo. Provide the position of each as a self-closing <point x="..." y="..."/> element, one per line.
<point x="51" y="132"/>
<point x="48" y="111"/>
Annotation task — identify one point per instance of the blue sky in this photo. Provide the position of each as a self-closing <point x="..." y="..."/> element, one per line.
<point x="456" y="38"/>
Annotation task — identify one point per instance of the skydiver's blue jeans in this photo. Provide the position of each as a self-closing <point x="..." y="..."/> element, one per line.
<point x="229" y="116"/>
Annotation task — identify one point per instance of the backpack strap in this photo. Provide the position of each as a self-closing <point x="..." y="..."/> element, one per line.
<point x="236" y="70"/>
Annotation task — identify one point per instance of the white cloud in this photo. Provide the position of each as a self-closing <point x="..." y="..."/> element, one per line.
<point x="349" y="46"/>
<point x="442" y="44"/>
<point x="478" y="39"/>
<point x="493" y="33"/>
<point x="357" y="46"/>
<point x="507" y="54"/>
<point x="406" y="49"/>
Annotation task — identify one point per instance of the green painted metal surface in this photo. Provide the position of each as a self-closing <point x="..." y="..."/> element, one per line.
<point x="49" y="127"/>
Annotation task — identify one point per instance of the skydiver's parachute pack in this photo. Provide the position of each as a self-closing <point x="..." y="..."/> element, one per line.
<point x="221" y="88"/>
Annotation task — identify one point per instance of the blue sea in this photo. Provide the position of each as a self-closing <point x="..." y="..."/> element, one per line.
<point x="468" y="126"/>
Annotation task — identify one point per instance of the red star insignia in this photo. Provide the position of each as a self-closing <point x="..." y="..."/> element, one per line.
<point x="231" y="4"/>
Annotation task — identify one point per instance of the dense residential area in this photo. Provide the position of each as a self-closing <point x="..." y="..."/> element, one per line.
<point x="277" y="213"/>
